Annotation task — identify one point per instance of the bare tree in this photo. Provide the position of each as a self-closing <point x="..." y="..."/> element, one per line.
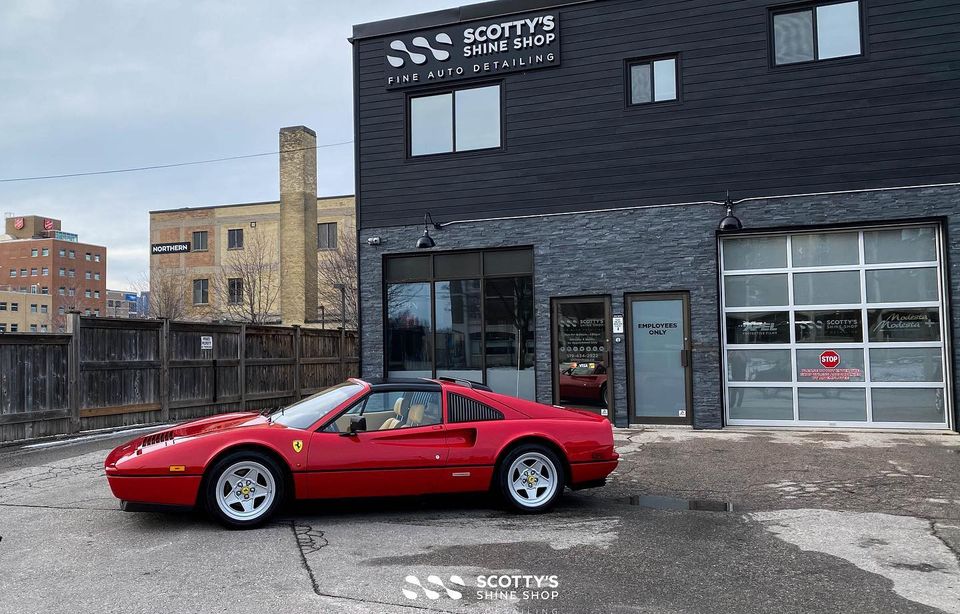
<point x="247" y="287"/>
<point x="336" y="268"/>
<point x="167" y="295"/>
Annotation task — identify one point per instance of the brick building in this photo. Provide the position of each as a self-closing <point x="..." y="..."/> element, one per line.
<point x="211" y="257"/>
<point x="37" y="257"/>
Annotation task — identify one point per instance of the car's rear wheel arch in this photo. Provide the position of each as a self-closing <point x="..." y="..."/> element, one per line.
<point x="287" y="476"/>
<point x="536" y="440"/>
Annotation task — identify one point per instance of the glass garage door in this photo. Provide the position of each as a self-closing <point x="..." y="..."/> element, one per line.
<point x="839" y="328"/>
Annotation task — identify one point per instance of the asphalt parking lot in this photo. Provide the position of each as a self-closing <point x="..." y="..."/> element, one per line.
<point x="823" y="522"/>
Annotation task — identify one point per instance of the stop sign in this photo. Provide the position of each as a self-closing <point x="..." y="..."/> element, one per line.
<point x="830" y="359"/>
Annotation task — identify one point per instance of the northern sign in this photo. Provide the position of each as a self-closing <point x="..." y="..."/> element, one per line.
<point x="157" y="249"/>
<point x="473" y="49"/>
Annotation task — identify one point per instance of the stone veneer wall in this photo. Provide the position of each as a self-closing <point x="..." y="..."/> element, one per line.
<point x="646" y="250"/>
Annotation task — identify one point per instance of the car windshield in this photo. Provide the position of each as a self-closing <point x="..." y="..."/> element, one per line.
<point x="306" y="412"/>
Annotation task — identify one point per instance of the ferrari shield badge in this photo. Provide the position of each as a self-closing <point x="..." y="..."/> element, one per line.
<point x="297" y="445"/>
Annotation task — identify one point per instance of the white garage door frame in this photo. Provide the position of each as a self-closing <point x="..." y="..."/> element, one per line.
<point x="865" y="346"/>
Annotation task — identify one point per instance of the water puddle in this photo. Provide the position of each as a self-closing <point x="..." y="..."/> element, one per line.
<point x="673" y="503"/>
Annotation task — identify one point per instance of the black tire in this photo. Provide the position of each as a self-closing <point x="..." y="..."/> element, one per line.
<point x="269" y="506"/>
<point x="603" y="396"/>
<point x="505" y="480"/>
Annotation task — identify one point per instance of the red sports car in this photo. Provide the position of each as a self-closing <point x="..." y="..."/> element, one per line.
<point x="366" y="438"/>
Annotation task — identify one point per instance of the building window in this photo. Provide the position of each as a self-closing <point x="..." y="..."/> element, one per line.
<point x="96" y="257"/>
<point x="235" y="291"/>
<point x="86" y="293"/>
<point x="14" y="328"/>
<point x="33" y="308"/>
<point x="63" y="253"/>
<point x="235" y="238"/>
<point x="96" y="294"/>
<point x="327" y="235"/>
<point x="89" y="256"/>
<point x="86" y="312"/>
<point x="3" y="328"/>
<point x="72" y="273"/>
<point x="464" y="314"/>
<point x="45" y="271"/>
<point x="34" y="253"/>
<point x="63" y="272"/>
<point x="96" y="276"/>
<point x="816" y="32"/>
<point x="62" y="291"/>
<point x="71" y="292"/>
<point x="60" y="310"/>
<point x="96" y="312"/>
<point x="73" y="254"/>
<point x="200" y="241"/>
<point x="462" y="120"/>
<point x="87" y="275"/>
<point x="201" y="291"/>
<point x="45" y="252"/>
<point x="14" y="306"/>
<point x="44" y="290"/>
<point x="838" y="328"/>
<point x="653" y="80"/>
<point x="33" y="272"/>
<point x="13" y="272"/>
<point x="3" y="305"/>
<point x="23" y="272"/>
<point x="33" y="328"/>
<point x="43" y="328"/>
<point x="43" y="309"/>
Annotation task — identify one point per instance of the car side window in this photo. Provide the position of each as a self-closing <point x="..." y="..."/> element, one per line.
<point x="389" y="410"/>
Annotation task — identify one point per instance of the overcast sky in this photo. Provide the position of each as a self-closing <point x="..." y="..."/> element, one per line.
<point x="90" y="85"/>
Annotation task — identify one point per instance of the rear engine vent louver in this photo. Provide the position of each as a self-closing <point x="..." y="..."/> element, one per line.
<point x="463" y="409"/>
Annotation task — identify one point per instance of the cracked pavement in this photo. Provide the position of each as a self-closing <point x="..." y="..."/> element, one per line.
<point x="831" y="522"/>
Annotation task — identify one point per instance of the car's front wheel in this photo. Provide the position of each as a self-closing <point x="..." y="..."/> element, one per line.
<point x="531" y="478"/>
<point x="244" y="489"/>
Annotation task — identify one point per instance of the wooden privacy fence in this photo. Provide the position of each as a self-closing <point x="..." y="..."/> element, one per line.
<point x="116" y="372"/>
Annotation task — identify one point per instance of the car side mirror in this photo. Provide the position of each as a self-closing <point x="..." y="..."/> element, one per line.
<point x="358" y="424"/>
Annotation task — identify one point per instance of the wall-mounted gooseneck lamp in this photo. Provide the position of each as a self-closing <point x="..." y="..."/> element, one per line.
<point x="426" y="241"/>
<point x="730" y="222"/>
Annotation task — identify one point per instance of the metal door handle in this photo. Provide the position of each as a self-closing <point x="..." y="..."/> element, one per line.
<point x="684" y="358"/>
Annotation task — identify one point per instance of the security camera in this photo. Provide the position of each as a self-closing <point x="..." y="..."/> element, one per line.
<point x="373" y="241"/>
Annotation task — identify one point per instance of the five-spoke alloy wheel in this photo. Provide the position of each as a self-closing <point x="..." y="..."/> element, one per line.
<point x="244" y="489"/>
<point x="531" y="478"/>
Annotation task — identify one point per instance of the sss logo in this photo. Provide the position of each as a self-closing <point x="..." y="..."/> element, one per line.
<point x="422" y="44"/>
<point x="437" y="583"/>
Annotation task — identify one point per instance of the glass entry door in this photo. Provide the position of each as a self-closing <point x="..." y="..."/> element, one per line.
<point x="659" y="353"/>
<point x="582" y="371"/>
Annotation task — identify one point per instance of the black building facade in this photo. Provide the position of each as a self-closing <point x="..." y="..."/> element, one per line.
<point x="575" y="159"/>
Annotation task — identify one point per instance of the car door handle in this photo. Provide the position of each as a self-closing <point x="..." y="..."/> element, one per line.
<point x="437" y="427"/>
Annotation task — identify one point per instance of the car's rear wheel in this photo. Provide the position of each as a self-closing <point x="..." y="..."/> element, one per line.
<point x="531" y="478"/>
<point x="244" y="489"/>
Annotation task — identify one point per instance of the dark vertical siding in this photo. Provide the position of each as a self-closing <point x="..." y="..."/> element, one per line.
<point x="890" y="118"/>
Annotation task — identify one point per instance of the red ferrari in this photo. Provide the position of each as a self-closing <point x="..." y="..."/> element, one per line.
<point x="366" y="438"/>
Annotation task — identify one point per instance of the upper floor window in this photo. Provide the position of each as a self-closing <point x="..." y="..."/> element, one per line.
<point x="327" y="235"/>
<point x="235" y="238"/>
<point x="89" y="256"/>
<point x="73" y="254"/>
<point x="34" y="253"/>
<point x="462" y="120"/>
<point x="653" y="80"/>
<point x="45" y="251"/>
<point x="63" y="253"/>
<point x="816" y="32"/>
<point x="200" y="241"/>
<point x="96" y="257"/>
<point x="201" y="291"/>
<point x="235" y="291"/>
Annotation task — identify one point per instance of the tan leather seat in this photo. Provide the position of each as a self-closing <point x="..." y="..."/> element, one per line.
<point x="392" y="423"/>
<point x="414" y="416"/>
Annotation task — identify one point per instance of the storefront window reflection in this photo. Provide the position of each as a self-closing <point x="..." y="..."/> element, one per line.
<point x="459" y="329"/>
<point x="409" y="330"/>
<point x="508" y="314"/>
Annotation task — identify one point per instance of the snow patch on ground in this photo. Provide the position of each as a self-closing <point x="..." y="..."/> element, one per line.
<point x="633" y="438"/>
<point x="903" y="549"/>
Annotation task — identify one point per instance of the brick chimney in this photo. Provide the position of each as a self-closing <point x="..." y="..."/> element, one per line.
<point x="298" y="224"/>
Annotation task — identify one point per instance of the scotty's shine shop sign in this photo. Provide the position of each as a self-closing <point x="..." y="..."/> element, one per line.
<point x="473" y="50"/>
